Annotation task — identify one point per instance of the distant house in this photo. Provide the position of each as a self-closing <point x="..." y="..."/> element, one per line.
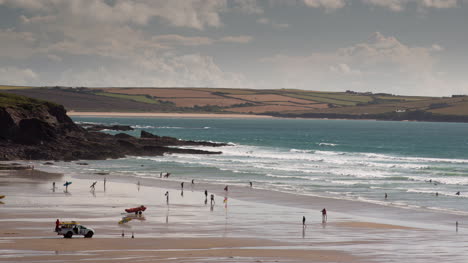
<point x="400" y="110"/>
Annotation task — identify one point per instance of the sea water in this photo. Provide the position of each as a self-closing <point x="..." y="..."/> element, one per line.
<point x="420" y="165"/>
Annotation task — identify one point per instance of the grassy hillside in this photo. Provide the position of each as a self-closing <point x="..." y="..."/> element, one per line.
<point x="284" y="102"/>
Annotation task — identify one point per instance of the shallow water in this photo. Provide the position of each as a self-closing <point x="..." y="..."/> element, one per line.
<point x="418" y="164"/>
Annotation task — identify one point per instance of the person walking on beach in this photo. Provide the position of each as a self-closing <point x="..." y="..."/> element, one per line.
<point x="105" y="184"/>
<point x="212" y="199"/>
<point x="193" y="181"/>
<point x="386" y="196"/>
<point x="206" y="194"/>
<point x="53" y="186"/>
<point x="182" y="186"/>
<point x="303" y="221"/>
<point x="250" y="184"/>
<point x="93" y="186"/>
<point x="57" y="225"/>
<point x="324" y="215"/>
<point x="226" y="188"/>
<point x="167" y="197"/>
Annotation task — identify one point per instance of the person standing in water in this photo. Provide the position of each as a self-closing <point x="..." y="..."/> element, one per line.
<point x="250" y="184"/>
<point x="182" y="186"/>
<point x="324" y="215"/>
<point x="303" y="221"/>
<point x="212" y="199"/>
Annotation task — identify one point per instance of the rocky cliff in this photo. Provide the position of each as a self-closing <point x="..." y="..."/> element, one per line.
<point x="38" y="130"/>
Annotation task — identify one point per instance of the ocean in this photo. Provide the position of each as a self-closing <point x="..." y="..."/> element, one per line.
<point x="419" y="165"/>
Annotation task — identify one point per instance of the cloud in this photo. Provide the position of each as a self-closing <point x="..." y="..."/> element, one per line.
<point x="197" y="14"/>
<point x="174" y="39"/>
<point x="17" y="44"/>
<point x="17" y="76"/>
<point x="400" y="5"/>
<point x="328" y="4"/>
<point x="382" y="64"/>
<point x="167" y="70"/>
<point x="247" y="6"/>
<point x="236" y="39"/>
<point x="266" y="21"/>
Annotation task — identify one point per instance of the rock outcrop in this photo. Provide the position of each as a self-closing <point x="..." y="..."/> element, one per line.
<point x="37" y="130"/>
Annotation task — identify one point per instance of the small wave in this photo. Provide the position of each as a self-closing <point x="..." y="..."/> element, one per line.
<point x="327" y="144"/>
<point x="142" y="127"/>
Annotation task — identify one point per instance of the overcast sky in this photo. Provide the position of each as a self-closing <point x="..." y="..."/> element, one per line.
<point x="409" y="47"/>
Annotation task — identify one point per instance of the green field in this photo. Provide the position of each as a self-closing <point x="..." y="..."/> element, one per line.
<point x="139" y="98"/>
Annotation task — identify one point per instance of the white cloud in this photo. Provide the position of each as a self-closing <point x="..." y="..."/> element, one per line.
<point x="328" y="4"/>
<point x="197" y="14"/>
<point x="382" y="64"/>
<point x="191" y="70"/>
<point x="266" y="21"/>
<point x="237" y="39"/>
<point x="400" y="5"/>
<point x="174" y="39"/>
<point x="17" y="76"/>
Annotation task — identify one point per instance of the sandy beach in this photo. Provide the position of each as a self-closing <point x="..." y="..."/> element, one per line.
<point x="166" y="115"/>
<point x="252" y="226"/>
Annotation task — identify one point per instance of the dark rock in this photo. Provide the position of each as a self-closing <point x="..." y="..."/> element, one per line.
<point x="40" y="130"/>
<point x="82" y="163"/>
<point x="48" y="163"/>
<point x="100" y="127"/>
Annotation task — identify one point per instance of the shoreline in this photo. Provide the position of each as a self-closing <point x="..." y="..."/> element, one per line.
<point x="167" y="115"/>
<point x="256" y="225"/>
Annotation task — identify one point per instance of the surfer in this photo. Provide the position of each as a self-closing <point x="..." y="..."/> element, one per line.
<point x="226" y="188"/>
<point x="250" y="184"/>
<point x="458" y="193"/>
<point x="324" y="215"/>
<point x="66" y="184"/>
<point x="93" y="186"/>
<point x="212" y="202"/>
<point x="386" y="196"/>
<point x="303" y="221"/>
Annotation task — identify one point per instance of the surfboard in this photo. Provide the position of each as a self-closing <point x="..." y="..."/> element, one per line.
<point x="125" y="220"/>
<point x="67" y="183"/>
<point x="2" y="196"/>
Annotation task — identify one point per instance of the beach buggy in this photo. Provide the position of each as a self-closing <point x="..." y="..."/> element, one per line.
<point x="68" y="229"/>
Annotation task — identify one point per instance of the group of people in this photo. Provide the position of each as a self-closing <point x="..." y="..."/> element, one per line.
<point x="324" y="217"/>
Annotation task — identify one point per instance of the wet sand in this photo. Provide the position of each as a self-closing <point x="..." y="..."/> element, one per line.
<point x="254" y="226"/>
<point x="166" y="115"/>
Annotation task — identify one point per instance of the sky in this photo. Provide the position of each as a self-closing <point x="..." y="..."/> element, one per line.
<point x="404" y="47"/>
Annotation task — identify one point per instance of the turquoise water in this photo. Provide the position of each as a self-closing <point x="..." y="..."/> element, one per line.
<point x="419" y="165"/>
